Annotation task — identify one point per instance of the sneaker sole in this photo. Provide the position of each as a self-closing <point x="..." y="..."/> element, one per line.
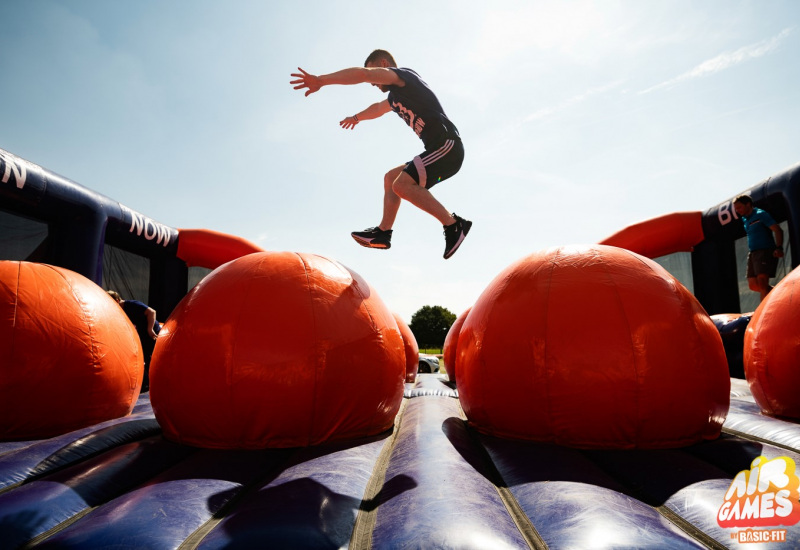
<point x="467" y="227"/>
<point x="368" y="243"/>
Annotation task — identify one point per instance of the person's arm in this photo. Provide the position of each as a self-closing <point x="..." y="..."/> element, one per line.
<point x="373" y="111"/>
<point x="346" y="77"/>
<point x="151" y="322"/>
<point x="778" y="232"/>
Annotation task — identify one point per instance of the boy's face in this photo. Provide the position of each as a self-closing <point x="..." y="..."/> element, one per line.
<point x="373" y="65"/>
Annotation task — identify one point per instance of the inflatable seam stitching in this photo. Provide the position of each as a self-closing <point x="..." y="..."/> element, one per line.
<point x="316" y="358"/>
<point x="636" y="355"/>
<point x="366" y="519"/>
<point x="521" y="520"/>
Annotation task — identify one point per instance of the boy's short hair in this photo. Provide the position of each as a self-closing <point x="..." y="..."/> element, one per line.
<point x="115" y="295"/>
<point x="379" y="55"/>
<point x="743" y="199"/>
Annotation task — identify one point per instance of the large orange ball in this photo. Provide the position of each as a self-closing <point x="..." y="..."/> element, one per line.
<point x="592" y="347"/>
<point x="277" y="349"/>
<point x="411" y="347"/>
<point x="69" y="356"/>
<point x="772" y="350"/>
<point x="451" y="345"/>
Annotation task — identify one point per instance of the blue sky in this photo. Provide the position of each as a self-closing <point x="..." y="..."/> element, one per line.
<point x="578" y="118"/>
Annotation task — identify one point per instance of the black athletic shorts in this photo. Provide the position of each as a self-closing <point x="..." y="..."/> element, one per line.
<point x="431" y="167"/>
<point x="761" y="261"/>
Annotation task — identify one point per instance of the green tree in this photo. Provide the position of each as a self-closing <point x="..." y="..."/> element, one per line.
<point x="430" y="325"/>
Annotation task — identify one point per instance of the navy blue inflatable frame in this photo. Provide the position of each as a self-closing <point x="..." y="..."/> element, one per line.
<point x="81" y="221"/>
<point x="714" y="259"/>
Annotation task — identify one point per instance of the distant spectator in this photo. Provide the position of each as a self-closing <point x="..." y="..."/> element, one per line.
<point x="762" y="260"/>
<point x="143" y="318"/>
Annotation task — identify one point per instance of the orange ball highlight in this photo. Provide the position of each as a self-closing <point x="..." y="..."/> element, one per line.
<point x="411" y="348"/>
<point x="449" y="354"/>
<point x="772" y="350"/>
<point x="592" y="347"/>
<point x="278" y="349"/>
<point x="69" y="356"/>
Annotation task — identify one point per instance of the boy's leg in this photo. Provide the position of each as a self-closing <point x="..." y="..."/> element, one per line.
<point x="455" y="228"/>
<point x="406" y="188"/>
<point x="391" y="202"/>
<point x="399" y="185"/>
<point x="381" y="235"/>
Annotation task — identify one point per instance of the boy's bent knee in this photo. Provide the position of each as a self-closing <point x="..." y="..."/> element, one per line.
<point x="402" y="185"/>
<point x="391" y="176"/>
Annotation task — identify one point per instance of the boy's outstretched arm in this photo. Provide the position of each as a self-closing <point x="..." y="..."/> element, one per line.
<point x="373" y="111"/>
<point x="353" y="75"/>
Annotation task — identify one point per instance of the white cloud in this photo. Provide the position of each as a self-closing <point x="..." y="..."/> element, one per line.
<point x="574" y="100"/>
<point x="725" y="60"/>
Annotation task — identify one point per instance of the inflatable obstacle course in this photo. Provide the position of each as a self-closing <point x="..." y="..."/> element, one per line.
<point x="627" y="433"/>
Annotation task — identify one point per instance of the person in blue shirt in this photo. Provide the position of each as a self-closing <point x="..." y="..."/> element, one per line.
<point x="412" y="99"/>
<point x="147" y="327"/>
<point x="762" y="260"/>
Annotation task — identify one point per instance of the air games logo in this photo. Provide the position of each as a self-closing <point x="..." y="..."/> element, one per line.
<point x="764" y="496"/>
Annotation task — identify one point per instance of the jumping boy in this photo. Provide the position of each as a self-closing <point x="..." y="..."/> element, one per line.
<point x="415" y="103"/>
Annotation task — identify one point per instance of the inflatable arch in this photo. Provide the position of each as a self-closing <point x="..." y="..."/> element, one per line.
<point x="711" y="238"/>
<point x="48" y="218"/>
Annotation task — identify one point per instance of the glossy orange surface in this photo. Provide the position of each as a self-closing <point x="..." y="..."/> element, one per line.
<point x="592" y="346"/>
<point x="772" y="350"/>
<point x="411" y="347"/>
<point x="451" y="345"/>
<point x="278" y="349"/>
<point x="69" y="356"/>
<point x="211" y="249"/>
<point x="656" y="237"/>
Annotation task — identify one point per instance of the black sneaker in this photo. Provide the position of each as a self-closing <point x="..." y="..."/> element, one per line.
<point x="454" y="235"/>
<point x="374" y="237"/>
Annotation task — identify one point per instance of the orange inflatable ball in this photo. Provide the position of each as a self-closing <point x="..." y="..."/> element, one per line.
<point x="277" y="349"/>
<point x="450" y="345"/>
<point x="411" y="347"/>
<point x="592" y="347"/>
<point x="772" y="350"/>
<point x="69" y="356"/>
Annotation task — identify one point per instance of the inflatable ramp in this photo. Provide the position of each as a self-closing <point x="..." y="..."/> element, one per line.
<point x="429" y="482"/>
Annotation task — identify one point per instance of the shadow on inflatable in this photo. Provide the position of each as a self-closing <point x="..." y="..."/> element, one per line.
<point x="286" y="411"/>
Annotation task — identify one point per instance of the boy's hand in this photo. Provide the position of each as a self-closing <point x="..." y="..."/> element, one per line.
<point x="306" y="80"/>
<point x="349" y="123"/>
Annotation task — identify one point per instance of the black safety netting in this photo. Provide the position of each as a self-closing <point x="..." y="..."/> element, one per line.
<point x="22" y="239"/>
<point x="127" y="273"/>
